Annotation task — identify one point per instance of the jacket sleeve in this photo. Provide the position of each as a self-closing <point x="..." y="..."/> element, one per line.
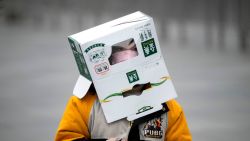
<point x="74" y="122"/>
<point x="177" y="124"/>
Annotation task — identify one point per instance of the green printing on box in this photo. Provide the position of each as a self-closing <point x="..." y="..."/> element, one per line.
<point x="132" y="76"/>
<point x="80" y="61"/>
<point x="149" y="47"/>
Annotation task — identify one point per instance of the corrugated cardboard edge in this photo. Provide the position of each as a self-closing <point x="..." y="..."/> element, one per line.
<point x="81" y="87"/>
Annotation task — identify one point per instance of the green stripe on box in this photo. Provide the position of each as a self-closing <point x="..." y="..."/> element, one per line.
<point x="80" y="61"/>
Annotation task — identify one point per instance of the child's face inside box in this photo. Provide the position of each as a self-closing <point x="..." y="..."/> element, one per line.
<point x="123" y="51"/>
<point x="125" y="65"/>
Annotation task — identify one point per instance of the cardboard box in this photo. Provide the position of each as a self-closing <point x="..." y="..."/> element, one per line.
<point x="123" y="59"/>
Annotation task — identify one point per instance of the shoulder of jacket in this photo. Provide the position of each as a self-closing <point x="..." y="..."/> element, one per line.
<point x="87" y="99"/>
<point x="83" y="105"/>
<point x="175" y="111"/>
<point x="174" y="106"/>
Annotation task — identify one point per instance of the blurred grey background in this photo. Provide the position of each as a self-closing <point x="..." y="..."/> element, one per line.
<point x="205" y="44"/>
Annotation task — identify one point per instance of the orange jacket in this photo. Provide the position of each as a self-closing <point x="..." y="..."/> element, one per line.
<point x="74" y="123"/>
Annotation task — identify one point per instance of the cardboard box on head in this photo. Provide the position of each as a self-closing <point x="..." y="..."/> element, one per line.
<point x="122" y="58"/>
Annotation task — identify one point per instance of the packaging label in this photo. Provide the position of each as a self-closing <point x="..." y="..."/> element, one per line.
<point x="101" y="68"/>
<point x="96" y="52"/>
<point x="149" y="47"/>
<point x="132" y="76"/>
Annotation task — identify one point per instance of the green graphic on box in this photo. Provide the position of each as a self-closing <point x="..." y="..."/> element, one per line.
<point x="132" y="76"/>
<point x="149" y="47"/>
<point x="80" y="61"/>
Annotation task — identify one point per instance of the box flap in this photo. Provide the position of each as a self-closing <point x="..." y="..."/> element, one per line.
<point x="81" y="87"/>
